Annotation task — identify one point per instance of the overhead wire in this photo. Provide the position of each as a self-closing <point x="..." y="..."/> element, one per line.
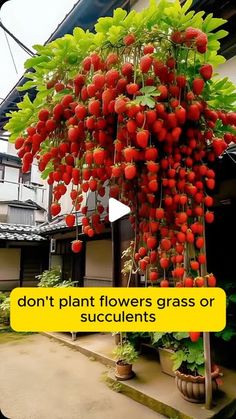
<point x="10" y="50"/>
<point x="24" y="47"/>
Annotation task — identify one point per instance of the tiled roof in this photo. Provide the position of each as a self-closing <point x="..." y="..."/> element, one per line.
<point x="19" y="232"/>
<point x="57" y="224"/>
<point x="23" y="204"/>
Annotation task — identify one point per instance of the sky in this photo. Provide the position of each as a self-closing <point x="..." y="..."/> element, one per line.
<point x="32" y="22"/>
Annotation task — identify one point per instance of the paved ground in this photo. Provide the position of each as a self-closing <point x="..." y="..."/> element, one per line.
<point x="43" y="379"/>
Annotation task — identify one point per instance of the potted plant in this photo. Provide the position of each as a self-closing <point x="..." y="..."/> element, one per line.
<point x="167" y="344"/>
<point x="126" y="355"/>
<point x="189" y="371"/>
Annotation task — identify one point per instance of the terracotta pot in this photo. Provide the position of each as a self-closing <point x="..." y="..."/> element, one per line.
<point x="123" y="371"/>
<point x="166" y="361"/>
<point x="192" y="388"/>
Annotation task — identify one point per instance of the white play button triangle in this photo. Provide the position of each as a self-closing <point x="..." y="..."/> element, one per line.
<point x="117" y="210"/>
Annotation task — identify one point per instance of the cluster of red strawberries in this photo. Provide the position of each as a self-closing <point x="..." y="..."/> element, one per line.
<point x="138" y="124"/>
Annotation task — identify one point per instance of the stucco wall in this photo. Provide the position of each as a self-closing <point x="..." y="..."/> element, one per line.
<point x="9" y="264"/>
<point x="99" y="259"/>
<point x="228" y="69"/>
<point x="140" y="4"/>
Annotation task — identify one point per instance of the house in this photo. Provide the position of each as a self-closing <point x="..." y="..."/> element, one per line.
<point x="23" y="207"/>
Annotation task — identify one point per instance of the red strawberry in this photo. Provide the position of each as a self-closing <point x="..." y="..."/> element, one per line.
<point x="98" y="155"/>
<point x="206" y="71"/>
<point x="210" y="183"/>
<point x="55" y="209"/>
<point x="73" y="134"/>
<point x="153" y="185"/>
<point x="143" y="264"/>
<point x="132" y="88"/>
<point x="153" y="256"/>
<point x="93" y="185"/>
<point x="165" y="244"/>
<point x="148" y="49"/>
<point x="145" y="63"/>
<point x="19" y="143"/>
<point x="180" y="114"/>
<point x="198" y="86"/>
<point x="70" y="220"/>
<point x="43" y="114"/>
<point x="191" y="33"/>
<point x="201" y="42"/>
<point x="116" y="171"/>
<point x="179" y="272"/>
<point x="209" y="217"/>
<point x="177" y="37"/>
<point x="211" y="280"/>
<point x="164" y="283"/>
<point x="94" y="107"/>
<point x="164" y="262"/>
<point x="76" y="246"/>
<point x="127" y="69"/>
<point x="129" y="39"/>
<point x="73" y="194"/>
<point x="208" y="201"/>
<point x="188" y="282"/>
<point x="181" y="81"/>
<point x="153" y="276"/>
<point x="163" y="92"/>
<point x="199" y="242"/>
<point x="129" y="154"/>
<point x="151" y="242"/>
<point x="66" y="100"/>
<point x="120" y="105"/>
<point x="194" y="336"/>
<point x="201" y="258"/>
<point x="159" y="213"/>
<point x="194" y="265"/>
<point x="199" y="281"/>
<point x="152" y="166"/>
<point x="130" y="171"/>
<point x="193" y="112"/>
<point x="98" y="80"/>
<point x="112" y="77"/>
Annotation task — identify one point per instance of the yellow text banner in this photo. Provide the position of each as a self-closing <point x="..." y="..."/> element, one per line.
<point x="118" y="309"/>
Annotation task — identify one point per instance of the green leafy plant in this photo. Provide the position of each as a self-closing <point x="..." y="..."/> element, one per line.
<point x="5" y="309"/>
<point x="125" y="353"/>
<point x="52" y="278"/>
<point x="136" y="338"/>
<point x="229" y="332"/>
<point x="172" y="340"/>
<point x="189" y="359"/>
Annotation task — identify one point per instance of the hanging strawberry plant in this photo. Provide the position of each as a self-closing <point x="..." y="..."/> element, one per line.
<point x="134" y="107"/>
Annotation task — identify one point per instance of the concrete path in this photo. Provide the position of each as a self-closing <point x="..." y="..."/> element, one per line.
<point x="43" y="379"/>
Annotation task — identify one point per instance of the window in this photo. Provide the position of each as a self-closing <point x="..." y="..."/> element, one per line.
<point x="2" y="172"/>
<point x="18" y="215"/>
<point x="25" y="178"/>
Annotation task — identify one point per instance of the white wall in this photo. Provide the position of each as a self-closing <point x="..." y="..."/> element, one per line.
<point x="11" y="149"/>
<point x="9" y="191"/>
<point x="228" y="69"/>
<point x="140" y="5"/>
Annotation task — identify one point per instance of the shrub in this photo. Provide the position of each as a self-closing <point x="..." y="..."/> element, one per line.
<point x="52" y="278"/>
